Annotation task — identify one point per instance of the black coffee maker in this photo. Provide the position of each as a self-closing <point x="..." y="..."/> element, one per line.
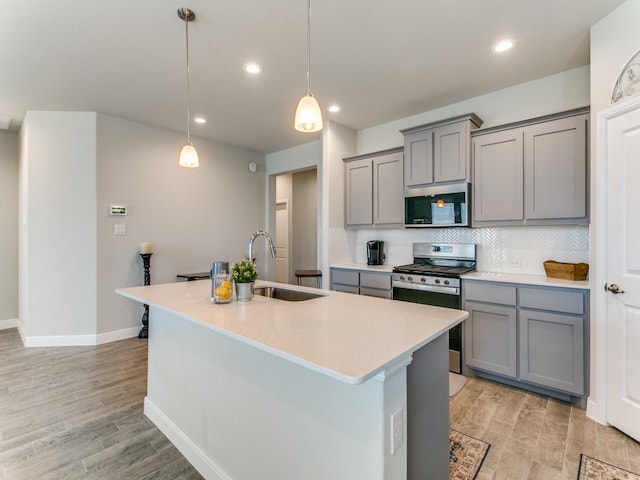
<point x="375" y="252"/>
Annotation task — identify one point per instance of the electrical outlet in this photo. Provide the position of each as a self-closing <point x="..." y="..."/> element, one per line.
<point x="515" y="263"/>
<point x="397" y="430"/>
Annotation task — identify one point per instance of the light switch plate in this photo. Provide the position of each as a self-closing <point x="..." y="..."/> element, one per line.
<point x="117" y="210"/>
<point x="119" y="229"/>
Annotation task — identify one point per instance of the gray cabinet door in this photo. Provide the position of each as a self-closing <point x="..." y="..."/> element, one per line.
<point x="555" y="162"/>
<point x="359" y="192"/>
<point x="451" y="153"/>
<point x="418" y="155"/>
<point x="387" y="189"/>
<point x="490" y="342"/>
<point x="552" y="350"/>
<point x="498" y="177"/>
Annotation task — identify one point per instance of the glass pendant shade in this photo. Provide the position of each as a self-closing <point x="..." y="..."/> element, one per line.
<point x="308" y="115"/>
<point x="188" y="156"/>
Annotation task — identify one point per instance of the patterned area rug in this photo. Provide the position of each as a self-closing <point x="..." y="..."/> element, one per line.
<point x="592" y="469"/>
<point x="466" y="455"/>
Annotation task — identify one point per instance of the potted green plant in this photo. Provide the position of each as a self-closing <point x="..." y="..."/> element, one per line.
<point x="244" y="273"/>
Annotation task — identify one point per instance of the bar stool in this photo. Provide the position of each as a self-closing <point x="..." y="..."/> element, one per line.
<point x="300" y="274"/>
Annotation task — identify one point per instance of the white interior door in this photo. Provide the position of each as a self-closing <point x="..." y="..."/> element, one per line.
<point x="282" y="241"/>
<point x="623" y="269"/>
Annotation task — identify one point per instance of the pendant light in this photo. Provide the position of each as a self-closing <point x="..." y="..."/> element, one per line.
<point x="188" y="154"/>
<point x="308" y="115"/>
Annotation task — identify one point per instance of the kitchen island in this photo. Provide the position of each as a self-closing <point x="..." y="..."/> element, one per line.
<point x="336" y="387"/>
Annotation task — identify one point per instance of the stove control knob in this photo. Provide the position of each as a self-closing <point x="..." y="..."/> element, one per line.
<point x="446" y="282"/>
<point x="410" y="279"/>
<point x="423" y="280"/>
<point x="401" y="277"/>
<point x="437" y="281"/>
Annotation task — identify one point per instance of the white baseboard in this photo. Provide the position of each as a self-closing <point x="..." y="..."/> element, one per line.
<point x="117" y="335"/>
<point x="78" y="340"/>
<point x="10" y="323"/>
<point x="594" y="412"/>
<point x="194" y="454"/>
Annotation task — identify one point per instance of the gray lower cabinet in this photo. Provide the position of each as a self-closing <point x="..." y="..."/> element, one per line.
<point x="362" y="282"/>
<point x="529" y="334"/>
<point x="373" y="189"/>
<point x="552" y="350"/>
<point x="491" y="338"/>
<point x="533" y="172"/>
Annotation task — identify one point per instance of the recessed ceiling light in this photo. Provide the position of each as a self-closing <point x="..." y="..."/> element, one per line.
<point x="504" y="45"/>
<point x="200" y="120"/>
<point x="252" y="68"/>
<point x="334" y="108"/>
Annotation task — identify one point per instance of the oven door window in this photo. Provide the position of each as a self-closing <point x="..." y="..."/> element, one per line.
<point x="446" y="209"/>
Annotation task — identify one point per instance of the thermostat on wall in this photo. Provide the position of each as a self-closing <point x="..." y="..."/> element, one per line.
<point x="253" y="167"/>
<point x="118" y="210"/>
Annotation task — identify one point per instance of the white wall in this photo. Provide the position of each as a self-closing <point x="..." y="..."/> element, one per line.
<point x="191" y="216"/>
<point x="555" y="93"/>
<point x="293" y="159"/>
<point x="72" y="166"/>
<point x="614" y="40"/>
<point x="338" y="142"/>
<point x="8" y="228"/>
<point x="58" y="226"/>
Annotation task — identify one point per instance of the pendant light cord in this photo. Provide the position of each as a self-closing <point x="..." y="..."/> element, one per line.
<point x="308" y="47"/>
<point x="186" y="24"/>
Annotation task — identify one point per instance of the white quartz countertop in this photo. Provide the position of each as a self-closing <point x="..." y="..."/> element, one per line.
<point x="542" y="280"/>
<point x="348" y="337"/>
<point x="364" y="266"/>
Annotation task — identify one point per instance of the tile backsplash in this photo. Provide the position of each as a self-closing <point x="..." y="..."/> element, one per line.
<point x="500" y="249"/>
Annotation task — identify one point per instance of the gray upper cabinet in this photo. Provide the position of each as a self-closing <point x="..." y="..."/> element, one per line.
<point x="359" y="192"/>
<point x="387" y="189"/>
<point x="373" y="189"/>
<point x="532" y="173"/>
<point x="418" y="165"/>
<point x="498" y="183"/>
<point x="440" y="152"/>
<point x="555" y="162"/>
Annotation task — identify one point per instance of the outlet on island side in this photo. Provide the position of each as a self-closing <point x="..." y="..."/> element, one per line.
<point x="397" y="430"/>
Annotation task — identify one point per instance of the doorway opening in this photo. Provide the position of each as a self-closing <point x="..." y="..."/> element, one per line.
<point x="296" y="224"/>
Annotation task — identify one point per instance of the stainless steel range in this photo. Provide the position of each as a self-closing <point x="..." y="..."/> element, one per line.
<point x="434" y="279"/>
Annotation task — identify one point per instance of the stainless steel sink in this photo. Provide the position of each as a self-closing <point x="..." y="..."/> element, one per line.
<point x="285" y="294"/>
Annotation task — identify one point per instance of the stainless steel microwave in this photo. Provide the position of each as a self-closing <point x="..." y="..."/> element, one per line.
<point x="438" y="206"/>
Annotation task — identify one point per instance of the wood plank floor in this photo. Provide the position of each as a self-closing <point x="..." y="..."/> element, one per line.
<point x="535" y="437"/>
<point x="76" y="413"/>
<point x="71" y="413"/>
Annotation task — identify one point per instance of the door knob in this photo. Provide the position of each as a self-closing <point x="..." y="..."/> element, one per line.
<point x="613" y="288"/>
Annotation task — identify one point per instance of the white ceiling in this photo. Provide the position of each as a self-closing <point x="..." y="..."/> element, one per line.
<point x="379" y="59"/>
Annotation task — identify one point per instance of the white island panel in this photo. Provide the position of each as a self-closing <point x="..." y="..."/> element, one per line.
<point x="249" y="415"/>
<point x="270" y="389"/>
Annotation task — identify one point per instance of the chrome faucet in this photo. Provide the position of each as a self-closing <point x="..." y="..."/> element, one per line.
<point x="266" y="235"/>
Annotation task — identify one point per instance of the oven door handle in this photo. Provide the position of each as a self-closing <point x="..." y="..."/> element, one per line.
<point x="427" y="288"/>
